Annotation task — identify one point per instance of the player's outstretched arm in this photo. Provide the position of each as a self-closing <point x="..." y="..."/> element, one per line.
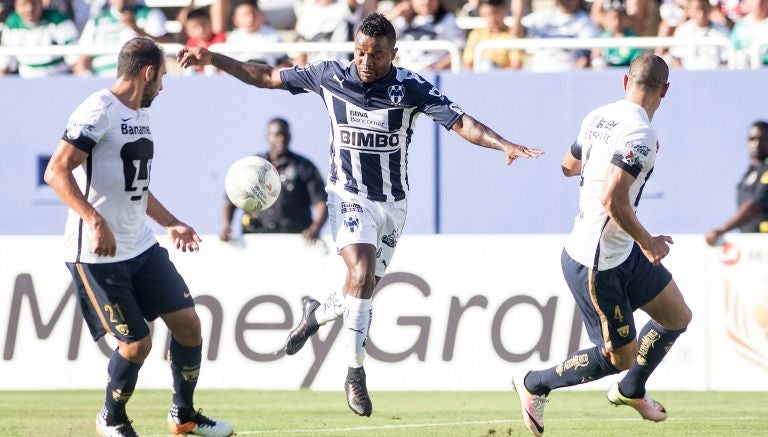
<point x="477" y="133"/>
<point x="258" y="75"/>
<point x="58" y="175"/>
<point x="182" y="235"/>
<point x="615" y="200"/>
<point x="748" y="210"/>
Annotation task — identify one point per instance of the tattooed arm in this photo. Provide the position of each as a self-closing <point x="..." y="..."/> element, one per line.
<point x="258" y="75"/>
<point x="480" y="134"/>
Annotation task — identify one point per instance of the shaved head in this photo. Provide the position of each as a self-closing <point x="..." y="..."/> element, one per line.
<point x="648" y="71"/>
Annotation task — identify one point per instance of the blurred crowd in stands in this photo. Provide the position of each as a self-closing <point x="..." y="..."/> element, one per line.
<point x="261" y="23"/>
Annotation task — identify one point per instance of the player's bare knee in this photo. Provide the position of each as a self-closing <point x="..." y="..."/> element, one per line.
<point x="680" y="319"/>
<point x="136" y="351"/>
<point x="361" y="281"/>
<point x="188" y="333"/>
<point x="686" y="315"/>
<point x="623" y="358"/>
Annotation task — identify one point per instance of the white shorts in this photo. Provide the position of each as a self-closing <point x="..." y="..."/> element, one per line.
<point x="357" y="220"/>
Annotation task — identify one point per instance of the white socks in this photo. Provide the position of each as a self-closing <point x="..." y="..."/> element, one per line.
<point x="357" y="322"/>
<point x="331" y="309"/>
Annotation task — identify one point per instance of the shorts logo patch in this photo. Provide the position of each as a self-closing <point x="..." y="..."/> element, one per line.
<point x="623" y="330"/>
<point x="122" y="328"/>
<point x="391" y="239"/>
<point x="350" y="207"/>
<point x="352" y="223"/>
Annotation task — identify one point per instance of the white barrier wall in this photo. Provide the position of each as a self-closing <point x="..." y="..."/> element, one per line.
<point x="455" y="312"/>
<point x="201" y="125"/>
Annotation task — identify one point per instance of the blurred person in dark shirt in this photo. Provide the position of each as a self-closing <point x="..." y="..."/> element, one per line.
<point x="752" y="191"/>
<point x="301" y="206"/>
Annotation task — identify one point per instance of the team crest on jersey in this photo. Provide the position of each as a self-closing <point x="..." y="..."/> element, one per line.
<point x="396" y="93"/>
<point x="635" y="153"/>
<point x="630" y="157"/>
<point x="352" y="223"/>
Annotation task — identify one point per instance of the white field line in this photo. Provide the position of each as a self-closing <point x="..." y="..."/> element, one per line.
<point x="449" y="424"/>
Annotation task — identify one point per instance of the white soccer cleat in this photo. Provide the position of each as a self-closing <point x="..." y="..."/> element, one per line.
<point x="118" y="430"/>
<point x="194" y="423"/>
<point x="646" y="406"/>
<point x="531" y="405"/>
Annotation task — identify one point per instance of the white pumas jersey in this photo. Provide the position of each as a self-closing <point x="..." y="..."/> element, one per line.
<point x="114" y="178"/>
<point x="617" y="134"/>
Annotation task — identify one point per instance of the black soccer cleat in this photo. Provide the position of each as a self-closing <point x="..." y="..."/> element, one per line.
<point x="357" y="392"/>
<point x="307" y="326"/>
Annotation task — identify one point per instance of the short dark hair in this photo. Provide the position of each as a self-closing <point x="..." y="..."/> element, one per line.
<point x="137" y="54"/>
<point x="649" y="71"/>
<point x="376" y="25"/>
<point x="762" y="125"/>
<point x="494" y="3"/>
<point x="198" y="14"/>
<point x="281" y="121"/>
<point x="238" y="3"/>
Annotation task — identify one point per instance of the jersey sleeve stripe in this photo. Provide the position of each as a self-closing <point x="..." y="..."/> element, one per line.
<point x="576" y="150"/>
<point x="618" y="161"/>
<point x="82" y="142"/>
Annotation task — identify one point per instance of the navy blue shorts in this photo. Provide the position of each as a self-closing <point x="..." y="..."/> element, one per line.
<point x="116" y="298"/>
<point x="608" y="298"/>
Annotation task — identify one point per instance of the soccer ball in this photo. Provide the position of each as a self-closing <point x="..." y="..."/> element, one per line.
<point x="252" y="184"/>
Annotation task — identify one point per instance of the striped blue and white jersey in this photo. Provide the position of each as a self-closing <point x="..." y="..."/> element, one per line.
<point x="371" y="124"/>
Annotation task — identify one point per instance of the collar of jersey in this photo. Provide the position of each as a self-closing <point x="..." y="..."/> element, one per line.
<point x="352" y="74"/>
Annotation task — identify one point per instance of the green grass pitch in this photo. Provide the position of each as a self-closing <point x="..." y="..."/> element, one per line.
<point x="401" y="414"/>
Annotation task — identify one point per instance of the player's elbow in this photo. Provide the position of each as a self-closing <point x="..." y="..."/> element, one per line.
<point x="568" y="171"/>
<point x="609" y="203"/>
<point x="50" y="174"/>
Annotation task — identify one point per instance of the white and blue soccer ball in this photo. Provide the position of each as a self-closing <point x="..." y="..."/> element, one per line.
<point x="252" y="184"/>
